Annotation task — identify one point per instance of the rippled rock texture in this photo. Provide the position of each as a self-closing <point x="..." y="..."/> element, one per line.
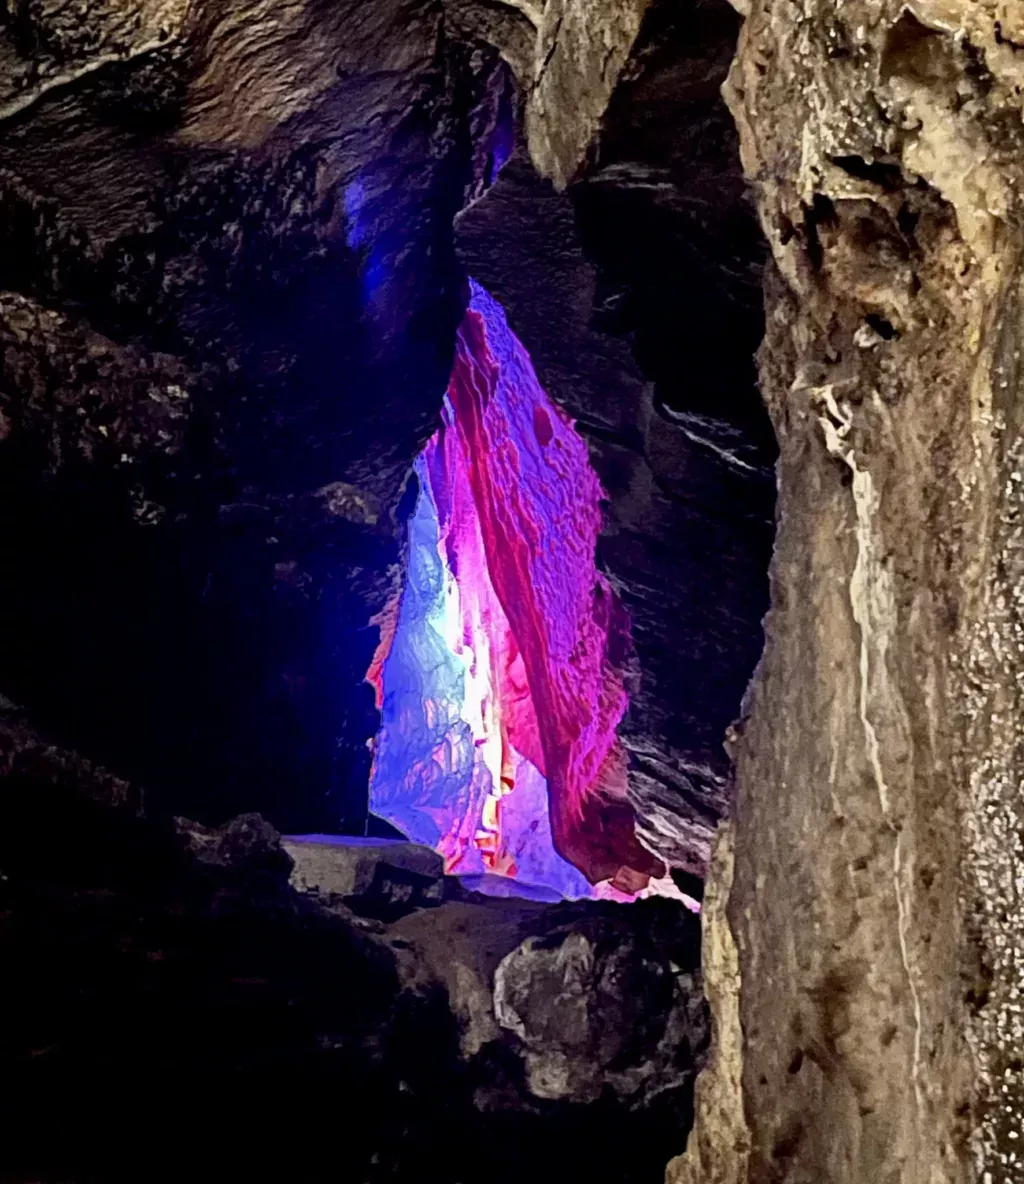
<point x="644" y="328"/>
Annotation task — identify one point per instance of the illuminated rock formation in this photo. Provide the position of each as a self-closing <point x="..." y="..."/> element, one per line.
<point x="505" y="666"/>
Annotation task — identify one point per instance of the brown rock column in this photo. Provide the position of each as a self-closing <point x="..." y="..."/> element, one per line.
<point x="870" y="1024"/>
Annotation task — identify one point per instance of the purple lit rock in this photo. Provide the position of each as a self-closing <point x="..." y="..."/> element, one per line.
<point x="501" y="670"/>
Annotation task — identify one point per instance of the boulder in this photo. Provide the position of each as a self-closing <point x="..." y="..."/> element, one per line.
<point x="373" y="875"/>
<point x="596" y="1004"/>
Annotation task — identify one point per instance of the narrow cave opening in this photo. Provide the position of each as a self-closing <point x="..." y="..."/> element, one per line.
<point x="504" y="661"/>
<point x="584" y="574"/>
<point x="637" y="292"/>
<point x="628" y="313"/>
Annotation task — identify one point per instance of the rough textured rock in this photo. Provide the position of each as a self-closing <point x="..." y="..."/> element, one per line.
<point x="229" y="291"/>
<point x="567" y="56"/>
<point x="228" y="274"/>
<point x="581" y="49"/>
<point x="226" y="243"/>
<point x="376" y="875"/>
<point x="247" y="842"/>
<point x="592" y="1000"/>
<point x="165" y="987"/>
<point x="718" y="1151"/>
<point x="230" y="296"/>
<point x="875" y="896"/>
<point x="598" y="1004"/>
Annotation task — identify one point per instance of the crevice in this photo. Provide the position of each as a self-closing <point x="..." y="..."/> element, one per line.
<point x="888" y="177"/>
<point x="225" y="365"/>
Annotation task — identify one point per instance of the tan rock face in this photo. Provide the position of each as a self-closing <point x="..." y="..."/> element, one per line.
<point x="582" y="47"/>
<point x="719" y="1147"/>
<point x="567" y="56"/>
<point x="875" y="895"/>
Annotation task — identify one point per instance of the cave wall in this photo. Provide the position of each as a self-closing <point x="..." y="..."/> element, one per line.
<point x="863" y="925"/>
<point x="567" y="56"/>
<point x="229" y="301"/>
<point x="216" y="1004"/>
<point x="232" y="290"/>
<point x="865" y="941"/>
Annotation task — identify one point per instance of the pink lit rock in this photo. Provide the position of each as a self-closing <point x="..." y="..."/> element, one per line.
<point x="506" y="626"/>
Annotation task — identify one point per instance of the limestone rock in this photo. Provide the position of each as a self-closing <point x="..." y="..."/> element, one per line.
<point x="461" y="945"/>
<point x="581" y="50"/>
<point x="874" y="902"/>
<point x="719" y="1148"/>
<point x="246" y="841"/>
<point x="227" y="298"/>
<point x="567" y="56"/>
<point x="636" y="292"/>
<point x="375" y="874"/>
<point x="594" y="1005"/>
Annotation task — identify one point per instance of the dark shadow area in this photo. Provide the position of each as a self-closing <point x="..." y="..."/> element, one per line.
<point x="194" y="348"/>
<point x="665" y="217"/>
<point x="175" y="1008"/>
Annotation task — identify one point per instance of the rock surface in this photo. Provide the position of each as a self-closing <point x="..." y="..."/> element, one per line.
<point x="597" y="1004"/>
<point x="165" y="987"/>
<point x="637" y="294"/>
<point x="382" y="874"/>
<point x="229" y="291"/>
<point x="228" y="298"/>
<point x="870" y="1023"/>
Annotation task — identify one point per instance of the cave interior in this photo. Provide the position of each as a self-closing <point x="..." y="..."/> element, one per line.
<point x="387" y="566"/>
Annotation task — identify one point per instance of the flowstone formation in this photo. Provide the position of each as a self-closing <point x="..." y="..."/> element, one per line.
<point x="230" y="295"/>
<point x="644" y="330"/>
<point x="230" y="292"/>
